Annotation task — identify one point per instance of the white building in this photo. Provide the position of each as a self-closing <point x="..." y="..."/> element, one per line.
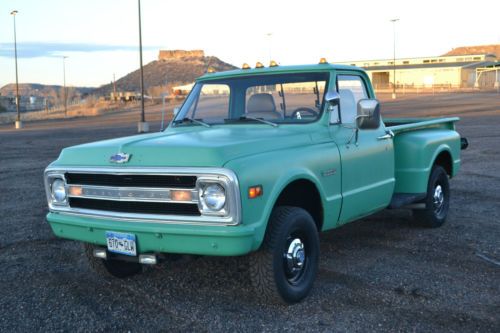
<point x="445" y="71"/>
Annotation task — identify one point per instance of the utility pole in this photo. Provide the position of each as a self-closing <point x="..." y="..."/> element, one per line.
<point x="143" y="126"/>
<point x="64" y="87"/>
<point x="394" y="58"/>
<point x="114" y="87"/>
<point x="19" y="124"/>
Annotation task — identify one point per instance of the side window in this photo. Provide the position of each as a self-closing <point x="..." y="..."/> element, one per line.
<point x="351" y="90"/>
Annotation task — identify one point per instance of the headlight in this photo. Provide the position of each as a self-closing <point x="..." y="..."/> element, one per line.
<point x="58" y="191"/>
<point x="212" y="197"/>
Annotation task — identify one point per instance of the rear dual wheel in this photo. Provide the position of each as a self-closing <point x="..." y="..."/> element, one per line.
<point x="437" y="200"/>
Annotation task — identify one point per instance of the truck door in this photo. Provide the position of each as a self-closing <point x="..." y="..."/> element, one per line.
<point x="367" y="162"/>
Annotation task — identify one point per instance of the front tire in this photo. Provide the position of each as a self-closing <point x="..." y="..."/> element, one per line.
<point x="437" y="201"/>
<point x="110" y="267"/>
<point x="285" y="267"/>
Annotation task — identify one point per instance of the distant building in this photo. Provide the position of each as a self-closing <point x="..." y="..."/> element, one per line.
<point x="5" y="103"/>
<point x="125" y="96"/>
<point x="457" y="71"/>
<point x="26" y="103"/>
<point x="182" y="90"/>
<point x="209" y="89"/>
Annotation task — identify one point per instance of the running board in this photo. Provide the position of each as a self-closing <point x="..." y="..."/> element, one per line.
<point x="404" y="199"/>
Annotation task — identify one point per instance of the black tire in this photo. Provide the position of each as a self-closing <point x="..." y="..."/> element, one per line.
<point x="110" y="267"/>
<point x="276" y="277"/>
<point x="437" y="201"/>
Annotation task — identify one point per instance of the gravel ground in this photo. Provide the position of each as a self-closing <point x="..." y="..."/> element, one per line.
<point x="377" y="274"/>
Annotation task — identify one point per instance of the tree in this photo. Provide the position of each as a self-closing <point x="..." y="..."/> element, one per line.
<point x="71" y="93"/>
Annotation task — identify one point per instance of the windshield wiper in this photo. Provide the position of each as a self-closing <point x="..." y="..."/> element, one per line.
<point x="259" y="119"/>
<point x="191" y="120"/>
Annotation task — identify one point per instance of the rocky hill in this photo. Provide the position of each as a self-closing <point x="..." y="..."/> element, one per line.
<point x="172" y="67"/>
<point x="478" y="49"/>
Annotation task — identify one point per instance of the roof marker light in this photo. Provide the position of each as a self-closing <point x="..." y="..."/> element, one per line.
<point x="259" y="65"/>
<point x="323" y="61"/>
<point x="245" y="66"/>
<point x="273" y="64"/>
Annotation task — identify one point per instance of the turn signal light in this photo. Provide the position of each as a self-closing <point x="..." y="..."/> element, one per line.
<point x="179" y="195"/>
<point x="75" y="191"/>
<point x="255" y="191"/>
<point x="259" y="65"/>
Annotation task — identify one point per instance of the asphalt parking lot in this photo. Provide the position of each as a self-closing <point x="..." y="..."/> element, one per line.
<point x="378" y="274"/>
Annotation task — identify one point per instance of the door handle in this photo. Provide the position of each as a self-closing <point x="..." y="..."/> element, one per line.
<point x="388" y="135"/>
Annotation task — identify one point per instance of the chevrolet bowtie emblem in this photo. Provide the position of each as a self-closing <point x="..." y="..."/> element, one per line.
<point x="120" y="158"/>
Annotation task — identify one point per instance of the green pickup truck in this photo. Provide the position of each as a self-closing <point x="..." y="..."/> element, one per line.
<point x="255" y="162"/>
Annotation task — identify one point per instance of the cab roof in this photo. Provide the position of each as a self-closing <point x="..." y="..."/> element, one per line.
<point x="277" y="70"/>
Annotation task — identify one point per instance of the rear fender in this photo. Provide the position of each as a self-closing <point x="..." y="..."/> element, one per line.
<point x="416" y="153"/>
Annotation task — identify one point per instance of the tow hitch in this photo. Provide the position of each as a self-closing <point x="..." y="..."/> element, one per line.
<point x="146" y="259"/>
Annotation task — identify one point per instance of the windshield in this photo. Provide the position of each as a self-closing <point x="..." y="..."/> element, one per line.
<point x="278" y="98"/>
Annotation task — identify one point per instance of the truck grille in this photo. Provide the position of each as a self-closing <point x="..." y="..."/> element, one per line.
<point x="138" y="207"/>
<point x="130" y="180"/>
<point x="132" y="193"/>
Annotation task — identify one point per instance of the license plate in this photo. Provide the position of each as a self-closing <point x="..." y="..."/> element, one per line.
<point x="121" y="243"/>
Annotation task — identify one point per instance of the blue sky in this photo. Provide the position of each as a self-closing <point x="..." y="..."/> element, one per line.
<point x="100" y="37"/>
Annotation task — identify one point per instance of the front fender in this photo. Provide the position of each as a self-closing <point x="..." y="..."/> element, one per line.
<point x="275" y="170"/>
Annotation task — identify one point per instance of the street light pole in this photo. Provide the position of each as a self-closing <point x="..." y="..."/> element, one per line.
<point x="143" y="125"/>
<point x="18" y="118"/>
<point x="394" y="58"/>
<point x="64" y="87"/>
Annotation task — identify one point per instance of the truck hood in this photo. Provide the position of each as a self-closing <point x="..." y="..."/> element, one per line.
<point x="188" y="146"/>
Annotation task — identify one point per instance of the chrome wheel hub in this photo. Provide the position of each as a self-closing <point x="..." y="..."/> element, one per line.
<point x="295" y="258"/>
<point x="438" y="198"/>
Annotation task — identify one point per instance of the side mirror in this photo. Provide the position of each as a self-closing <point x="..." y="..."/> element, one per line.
<point x="176" y="110"/>
<point x="332" y="98"/>
<point x="368" y="114"/>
